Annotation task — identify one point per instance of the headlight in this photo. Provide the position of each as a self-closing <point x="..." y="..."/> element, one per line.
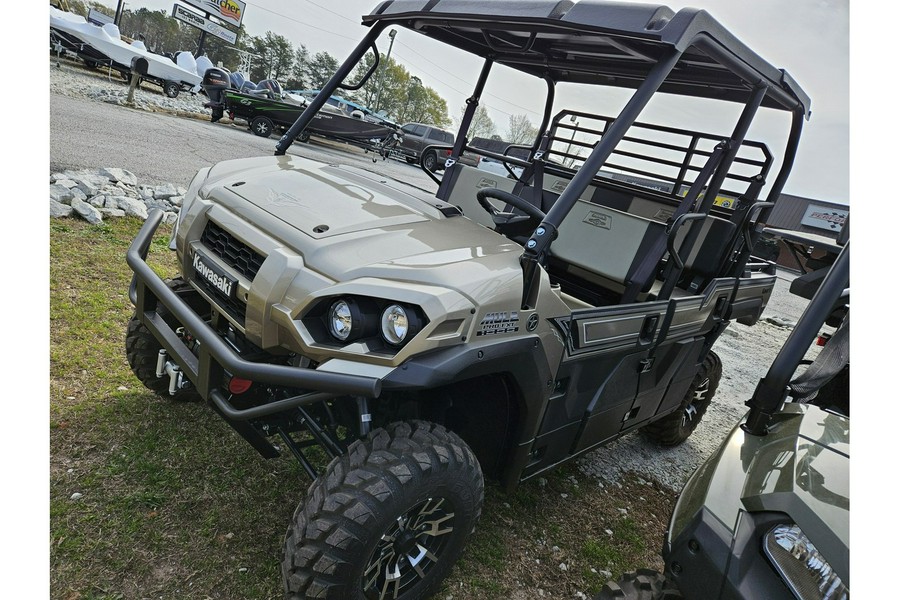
<point x="340" y="320"/>
<point x="394" y="324"/>
<point x="801" y="565"/>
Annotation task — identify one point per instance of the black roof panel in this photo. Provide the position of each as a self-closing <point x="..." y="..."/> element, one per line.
<point x="597" y="42"/>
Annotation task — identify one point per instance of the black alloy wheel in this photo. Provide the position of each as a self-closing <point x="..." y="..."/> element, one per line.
<point x="386" y="520"/>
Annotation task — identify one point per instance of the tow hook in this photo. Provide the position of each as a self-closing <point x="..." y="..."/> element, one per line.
<point x="166" y="367"/>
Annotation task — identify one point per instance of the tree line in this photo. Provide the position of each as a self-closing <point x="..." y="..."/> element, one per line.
<point x="392" y="89"/>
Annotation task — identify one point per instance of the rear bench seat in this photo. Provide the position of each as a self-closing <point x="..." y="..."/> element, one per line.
<point x="603" y="238"/>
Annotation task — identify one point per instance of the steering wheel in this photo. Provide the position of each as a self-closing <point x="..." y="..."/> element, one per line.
<point x="516" y="227"/>
<point x="533" y="212"/>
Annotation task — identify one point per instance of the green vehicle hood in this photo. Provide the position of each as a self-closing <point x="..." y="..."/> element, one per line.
<point x="801" y="468"/>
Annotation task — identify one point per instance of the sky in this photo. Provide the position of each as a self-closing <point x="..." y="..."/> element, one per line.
<point x="807" y="38"/>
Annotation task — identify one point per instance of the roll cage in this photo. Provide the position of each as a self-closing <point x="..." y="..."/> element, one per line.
<point x="646" y="48"/>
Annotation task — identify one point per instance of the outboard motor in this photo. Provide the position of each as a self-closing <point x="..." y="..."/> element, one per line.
<point x="269" y="88"/>
<point x="215" y="82"/>
<point x="240" y="83"/>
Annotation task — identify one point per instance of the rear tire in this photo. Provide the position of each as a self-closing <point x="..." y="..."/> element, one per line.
<point x="643" y="584"/>
<point x="678" y="426"/>
<point x="430" y="161"/>
<point x="262" y="126"/>
<point x="387" y="519"/>
<point x="142" y="351"/>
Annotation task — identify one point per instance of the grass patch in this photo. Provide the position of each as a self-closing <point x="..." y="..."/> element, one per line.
<point x="174" y="504"/>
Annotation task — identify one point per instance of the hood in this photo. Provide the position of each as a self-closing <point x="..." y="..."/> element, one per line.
<point x="348" y="223"/>
<point x="801" y="468"/>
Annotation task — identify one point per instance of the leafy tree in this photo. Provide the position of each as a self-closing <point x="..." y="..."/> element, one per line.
<point x="521" y="131"/>
<point x="276" y="57"/>
<point x="299" y="78"/>
<point x="320" y="69"/>
<point x="159" y="32"/>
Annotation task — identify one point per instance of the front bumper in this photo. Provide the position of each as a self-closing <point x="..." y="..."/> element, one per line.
<point x="216" y="358"/>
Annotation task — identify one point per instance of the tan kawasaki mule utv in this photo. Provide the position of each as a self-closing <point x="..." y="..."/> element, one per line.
<point x="421" y="342"/>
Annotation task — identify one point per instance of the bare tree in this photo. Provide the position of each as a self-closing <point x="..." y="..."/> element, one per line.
<point x="520" y="131"/>
<point x="482" y="125"/>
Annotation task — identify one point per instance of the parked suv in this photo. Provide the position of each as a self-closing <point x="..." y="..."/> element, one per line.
<point x="417" y="137"/>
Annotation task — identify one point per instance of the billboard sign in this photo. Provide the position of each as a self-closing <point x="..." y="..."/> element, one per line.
<point x="230" y="11"/>
<point x="824" y="217"/>
<point x="98" y="18"/>
<point x="192" y="18"/>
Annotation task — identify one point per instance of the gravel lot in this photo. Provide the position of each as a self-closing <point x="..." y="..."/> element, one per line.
<point x="746" y="352"/>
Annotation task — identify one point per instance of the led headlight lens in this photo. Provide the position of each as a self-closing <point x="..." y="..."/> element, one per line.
<point x="801" y="565"/>
<point x="340" y="320"/>
<point x="394" y="324"/>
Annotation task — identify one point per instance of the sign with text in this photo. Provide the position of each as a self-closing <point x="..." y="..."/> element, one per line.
<point x="823" y="217"/>
<point x="230" y="11"/>
<point x="98" y="18"/>
<point x="192" y="18"/>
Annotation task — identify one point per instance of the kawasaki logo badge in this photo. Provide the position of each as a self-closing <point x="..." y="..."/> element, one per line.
<point x="212" y="275"/>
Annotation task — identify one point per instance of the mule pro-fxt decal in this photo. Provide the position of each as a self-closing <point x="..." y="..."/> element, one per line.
<point x="499" y="322"/>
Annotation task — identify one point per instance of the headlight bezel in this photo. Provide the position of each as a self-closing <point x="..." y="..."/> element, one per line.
<point x="800" y="564"/>
<point x="366" y="316"/>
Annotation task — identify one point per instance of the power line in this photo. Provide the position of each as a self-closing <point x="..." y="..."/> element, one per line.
<point x="304" y="23"/>
<point x="424" y="71"/>
<point x="467" y="82"/>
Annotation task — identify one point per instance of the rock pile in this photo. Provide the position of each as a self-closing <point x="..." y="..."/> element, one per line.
<point x="71" y="79"/>
<point x="93" y="194"/>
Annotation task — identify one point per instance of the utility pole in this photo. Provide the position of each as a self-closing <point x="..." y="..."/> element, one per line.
<point x="391" y="34"/>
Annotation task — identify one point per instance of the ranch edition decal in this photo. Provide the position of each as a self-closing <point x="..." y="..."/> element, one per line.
<point x="499" y="322"/>
<point x="213" y="276"/>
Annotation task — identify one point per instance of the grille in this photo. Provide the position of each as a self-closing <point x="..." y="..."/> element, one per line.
<point x="233" y="252"/>
<point x="225" y="304"/>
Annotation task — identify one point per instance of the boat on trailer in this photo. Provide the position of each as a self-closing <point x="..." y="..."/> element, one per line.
<point x="104" y="46"/>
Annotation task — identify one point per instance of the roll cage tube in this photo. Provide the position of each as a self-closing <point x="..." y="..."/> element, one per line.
<point x="772" y="389"/>
<point x="367" y="43"/>
<point x="546" y="232"/>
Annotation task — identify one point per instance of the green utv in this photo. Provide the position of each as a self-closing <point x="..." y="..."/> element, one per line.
<point x="497" y="328"/>
<point x="768" y="515"/>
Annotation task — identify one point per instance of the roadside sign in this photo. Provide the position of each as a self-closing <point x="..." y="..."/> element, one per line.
<point x="98" y="18"/>
<point x="204" y="24"/>
<point x="824" y="217"/>
<point x="230" y="11"/>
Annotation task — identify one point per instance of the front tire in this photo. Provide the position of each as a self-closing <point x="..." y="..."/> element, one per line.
<point x="142" y="350"/>
<point x="386" y="520"/>
<point x="678" y="426"/>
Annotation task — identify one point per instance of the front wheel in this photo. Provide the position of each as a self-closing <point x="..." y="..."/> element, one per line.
<point x="142" y="351"/>
<point x="678" y="426"/>
<point x="386" y="520"/>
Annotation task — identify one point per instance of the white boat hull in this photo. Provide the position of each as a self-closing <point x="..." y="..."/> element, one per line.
<point x="105" y="41"/>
